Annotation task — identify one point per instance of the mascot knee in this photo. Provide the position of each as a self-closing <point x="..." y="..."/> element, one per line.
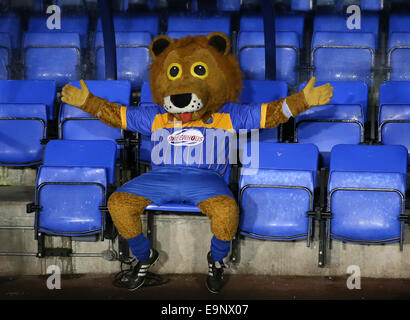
<point x="224" y="214"/>
<point x="125" y="209"/>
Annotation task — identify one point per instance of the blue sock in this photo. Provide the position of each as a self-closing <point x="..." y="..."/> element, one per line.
<point x="140" y="247"/>
<point x="219" y="248"/>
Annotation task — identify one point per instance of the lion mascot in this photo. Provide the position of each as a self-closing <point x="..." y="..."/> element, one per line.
<point x="195" y="83"/>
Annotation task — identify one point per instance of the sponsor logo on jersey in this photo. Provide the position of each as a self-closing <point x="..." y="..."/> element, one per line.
<point x="186" y="137"/>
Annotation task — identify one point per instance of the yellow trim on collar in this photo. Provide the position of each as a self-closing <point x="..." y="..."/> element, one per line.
<point x="219" y="121"/>
<point x="123" y="117"/>
<point x="264" y="108"/>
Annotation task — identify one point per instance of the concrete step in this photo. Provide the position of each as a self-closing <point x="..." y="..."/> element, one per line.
<point x="183" y="243"/>
<point x="17" y="176"/>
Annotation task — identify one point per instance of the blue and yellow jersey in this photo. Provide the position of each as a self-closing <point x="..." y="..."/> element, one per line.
<point x="199" y="144"/>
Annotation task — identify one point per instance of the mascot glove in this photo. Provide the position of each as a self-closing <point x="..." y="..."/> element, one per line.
<point x="74" y="96"/>
<point x="317" y="96"/>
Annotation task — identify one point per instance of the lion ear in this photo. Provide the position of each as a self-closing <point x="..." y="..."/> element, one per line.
<point x="220" y="41"/>
<point x="159" y="44"/>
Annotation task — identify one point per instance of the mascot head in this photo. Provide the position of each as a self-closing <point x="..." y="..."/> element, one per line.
<point x="193" y="77"/>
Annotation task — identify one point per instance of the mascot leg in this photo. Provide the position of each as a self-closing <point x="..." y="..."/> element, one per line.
<point x="126" y="209"/>
<point x="224" y="214"/>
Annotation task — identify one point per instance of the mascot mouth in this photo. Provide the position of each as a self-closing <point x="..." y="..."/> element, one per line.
<point x="184" y="104"/>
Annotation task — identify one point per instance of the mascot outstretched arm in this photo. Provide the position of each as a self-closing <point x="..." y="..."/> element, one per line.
<point x="195" y="83"/>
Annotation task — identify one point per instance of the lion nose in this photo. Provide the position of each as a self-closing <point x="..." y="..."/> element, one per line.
<point x="181" y="100"/>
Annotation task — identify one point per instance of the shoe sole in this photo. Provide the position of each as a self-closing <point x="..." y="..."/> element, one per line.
<point x="210" y="290"/>
<point x="152" y="264"/>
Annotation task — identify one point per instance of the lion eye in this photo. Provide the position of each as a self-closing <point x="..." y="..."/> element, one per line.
<point x="174" y="71"/>
<point x="200" y="70"/>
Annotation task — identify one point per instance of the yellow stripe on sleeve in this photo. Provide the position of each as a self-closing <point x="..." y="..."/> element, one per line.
<point x="123" y="118"/>
<point x="264" y="107"/>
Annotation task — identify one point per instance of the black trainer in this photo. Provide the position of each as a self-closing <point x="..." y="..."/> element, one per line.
<point x="136" y="278"/>
<point x="215" y="280"/>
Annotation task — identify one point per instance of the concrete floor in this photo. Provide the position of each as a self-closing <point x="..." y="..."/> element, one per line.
<point x="192" y="287"/>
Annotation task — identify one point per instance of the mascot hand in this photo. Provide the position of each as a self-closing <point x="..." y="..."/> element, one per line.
<point x="74" y="96"/>
<point x="317" y="96"/>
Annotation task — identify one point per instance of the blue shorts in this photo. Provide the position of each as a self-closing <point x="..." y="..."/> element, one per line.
<point x="177" y="185"/>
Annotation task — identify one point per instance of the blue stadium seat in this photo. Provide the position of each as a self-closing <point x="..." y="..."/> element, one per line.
<point x="341" y="121"/>
<point x="52" y="56"/>
<point x="251" y="55"/>
<point x="71" y="187"/>
<point x="29" y="91"/>
<point x="75" y="124"/>
<point x="25" y="108"/>
<point x="398" y="47"/>
<point x="366" y="194"/>
<point x="262" y="91"/>
<point x="5" y="55"/>
<point x="343" y="56"/>
<point x="11" y="24"/>
<point x="71" y="23"/>
<point x="394" y="113"/>
<point x="22" y="128"/>
<point x="277" y="192"/>
<point x="283" y="23"/>
<point x="199" y="23"/>
<point x="340" y="53"/>
<point x="133" y="56"/>
<point x="134" y="23"/>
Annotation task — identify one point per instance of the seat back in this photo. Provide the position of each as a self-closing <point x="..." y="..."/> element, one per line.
<point x="277" y="192"/>
<point x="79" y="153"/>
<point x="70" y="198"/>
<point x="339" y="56"/>
<point x="394" y="113"/>
<point x="61" y="48"/>
<point x="398" y="47"/>
<point x="251" y="55"/>
<point x="72" y="186"/>
<point x="366" y="193"/>
<point x="22" y="128"/>
<point x="133" y="57"/>
<point x="283" y="23"/>
<point x="28" y="92"/>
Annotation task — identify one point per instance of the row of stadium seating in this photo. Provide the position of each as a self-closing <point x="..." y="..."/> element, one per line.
<point x="366" y="193"/>
<point x="194" y="5"/>
<point x="336" y="52"/>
